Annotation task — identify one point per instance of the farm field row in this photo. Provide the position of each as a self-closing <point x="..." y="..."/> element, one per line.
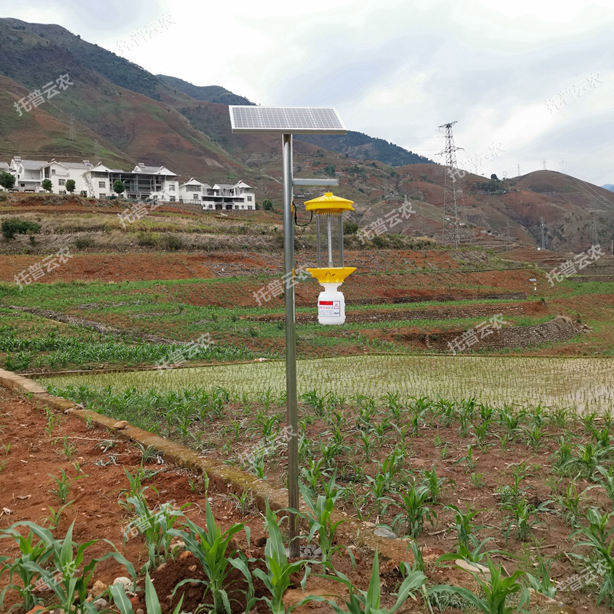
<point x="522" y="486"/>
<point x="576" y="384"/>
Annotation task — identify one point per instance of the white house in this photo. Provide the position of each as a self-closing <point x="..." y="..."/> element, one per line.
<point x="29" y="174"/>
<point x="193" y="191"/>
<point x="226" y="196"/>
<point x="60" y="172"/>
<point x="152" y="182"/>
<point x="220" y="196"/>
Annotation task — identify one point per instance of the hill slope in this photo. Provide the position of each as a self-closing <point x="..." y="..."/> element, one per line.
<point x="117" y="112"/>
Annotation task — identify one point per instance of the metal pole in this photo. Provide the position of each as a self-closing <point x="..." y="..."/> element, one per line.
<point x="293" y="493"/>
<point x="318" y="240"/>
<point x="341" y="254"/>
<point x="330" y="240"/>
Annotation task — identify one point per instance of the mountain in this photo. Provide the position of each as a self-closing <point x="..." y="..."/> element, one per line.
<point x="353" y="144"/>
<point x="362" y="147"/>
<point x="117" y="112"/>
<point x="608" y="186"/>
<point x="206" y="93"/>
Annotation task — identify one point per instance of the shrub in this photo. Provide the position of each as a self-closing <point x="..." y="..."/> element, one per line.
<point x="147" y="239"/>
<point x="350" y="227"/>
<point x="83" y="242"/>
<point x="14" y="226"/>
<point x="172" y="242"/>
<point x="7" y="180"/>
<point x="267" y="205"/>
<point x="379" y="242"/>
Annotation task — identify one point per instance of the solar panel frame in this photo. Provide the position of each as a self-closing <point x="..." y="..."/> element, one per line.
<point x="285" y="120"/>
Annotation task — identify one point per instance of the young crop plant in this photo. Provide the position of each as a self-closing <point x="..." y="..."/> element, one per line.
<point x="497" y="591"/>
<point x="279" y="571"/>
<point x="534" y="435"/>
<point x="542" y="582"/>
<point x="463" y="523"/>
<point x="212" y="547"/>
<point x="414" y="510"/>
<point x="152" y="602"/>
<point x="62" y="486"/>
<point x="598" y="539"/>
<point x="68" y="448"/>
<point x="524" y="518"/>
<point x="31" y="553"/>
<point x="433" y="483"/>
<point x="570" y="504"/>
<point x="468" y="460"/>
<point x="470" y="547"/>
<point x="369" y="601"/>
<point x="56" y="515"/>
<point x="319" y="516"/>
<point x="63" y="569"/>
<point x="562" y="457"/>
<point x="394" y="405"/>
<point x="481" y="434"/>
<point x="607" y="481"/>
<point x="585" y="462"/>
<point x="154" y="525"/>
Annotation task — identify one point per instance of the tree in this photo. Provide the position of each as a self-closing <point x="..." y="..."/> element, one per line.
<point x="494" y="177"/>
<point x="70" y="185"/>
<point x="267" y="205"/>
<point x="329" y="169"/>
<point x="118" y="186"/>
<point x="7" y="180"/>
<point x="47" y="185"/>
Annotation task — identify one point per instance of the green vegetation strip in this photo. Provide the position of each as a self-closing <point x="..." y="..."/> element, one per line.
<point x="581" y="384"/>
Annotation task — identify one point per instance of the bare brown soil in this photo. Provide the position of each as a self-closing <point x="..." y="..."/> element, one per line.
<point x="26" y="481"/>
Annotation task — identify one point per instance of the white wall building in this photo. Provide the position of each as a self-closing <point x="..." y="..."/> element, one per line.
<point x="192" y="191"/>
<point x="220" y="196"/>
<point x="60" y="172"/>
<point x="154" y="183"/>
<point x="29" y="174"/>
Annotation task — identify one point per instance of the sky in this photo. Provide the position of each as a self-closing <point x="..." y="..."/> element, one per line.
<point x="530" y="82"/>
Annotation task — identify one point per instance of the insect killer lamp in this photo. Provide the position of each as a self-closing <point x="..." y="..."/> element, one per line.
<point x="328" y="211"/>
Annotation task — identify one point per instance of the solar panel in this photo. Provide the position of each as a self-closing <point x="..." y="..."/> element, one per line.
<point x="294" y="120"/>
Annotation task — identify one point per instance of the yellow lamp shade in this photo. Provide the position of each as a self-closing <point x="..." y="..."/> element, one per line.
<point x="329" y="203"/>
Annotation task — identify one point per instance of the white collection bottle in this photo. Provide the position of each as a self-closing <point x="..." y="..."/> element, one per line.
<point x="331" y="305"/>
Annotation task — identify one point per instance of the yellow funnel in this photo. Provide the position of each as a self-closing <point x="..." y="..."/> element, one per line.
<point x="332" y="275"/>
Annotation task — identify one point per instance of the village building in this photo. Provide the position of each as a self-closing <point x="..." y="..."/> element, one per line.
<point x="142" y="183"/>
